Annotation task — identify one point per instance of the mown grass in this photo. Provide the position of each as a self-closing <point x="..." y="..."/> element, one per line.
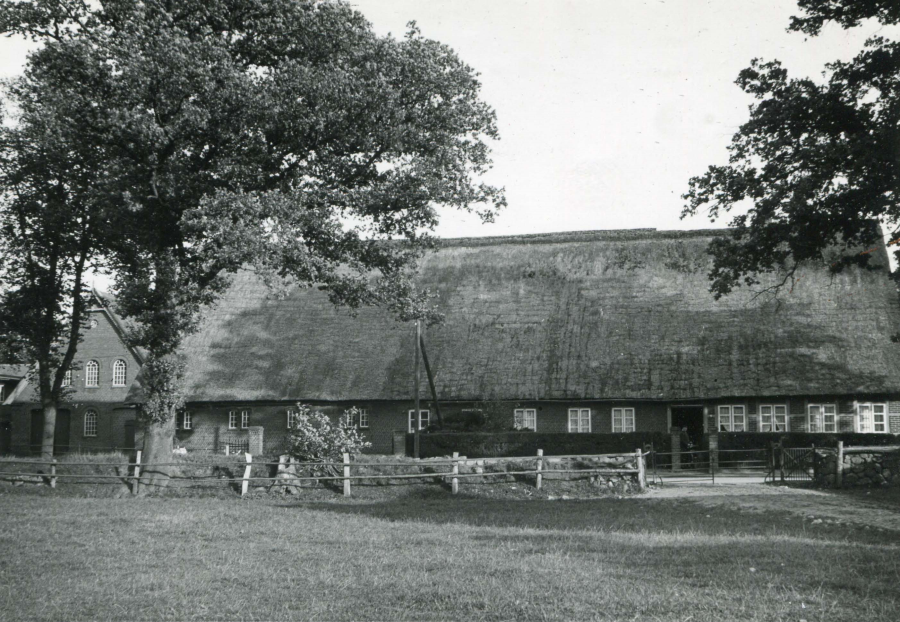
<point x="430" y="556"/>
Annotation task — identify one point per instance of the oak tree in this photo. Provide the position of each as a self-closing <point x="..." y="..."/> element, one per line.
<point x="283" y="136"/>
<point x="818" y="162"/>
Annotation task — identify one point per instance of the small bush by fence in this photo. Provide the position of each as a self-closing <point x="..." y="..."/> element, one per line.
<point x="624" y="472"/>
<point x="521" y="444"/>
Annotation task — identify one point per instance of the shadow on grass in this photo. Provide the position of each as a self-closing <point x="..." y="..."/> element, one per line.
<point x="625" y="515"/>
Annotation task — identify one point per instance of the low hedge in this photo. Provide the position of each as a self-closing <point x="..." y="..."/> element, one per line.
<point x="762" y="440"/>
<point x="521" y="444"/>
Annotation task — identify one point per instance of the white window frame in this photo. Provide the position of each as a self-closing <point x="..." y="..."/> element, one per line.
<point x="232" y="419"/>
<point x="623" y="420"/>
<point x="424" y="417"/>
<point x="245" y="419"/>
<point x="186" y="420"/>
<point x="869" y="420"/>
<point x="67" y="378"/>
<point x="120" y="373"/>
<point x="525" y="418"/>
<point x="581" y="423"/>
<point x="363" y="418"/>
<point x="90" y="423"/>
<point x="729" y="418"/>
<point x="92" y="368"/>
<point x="770" y="420"/>
<point x="821" y="426"/>
<point x="291" y="418"/>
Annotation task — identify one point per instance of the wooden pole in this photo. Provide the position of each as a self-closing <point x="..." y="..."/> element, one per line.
<point x="417" y="415"/>
<point x="839" y="467"/>
<point x="430" y="376"/>
<point x="53" y="474"/>
<point x="454" y="483"/>
<point x="137" y="473"/>
<point x="346" y="475"/>
<point x="245" y="485"/>
<point x="540" y="467"/>
<point x="642" y="476"/>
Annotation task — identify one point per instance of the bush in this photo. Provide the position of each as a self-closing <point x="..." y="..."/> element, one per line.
<point x="762" y="440"/>
<point x="314" y="438"/>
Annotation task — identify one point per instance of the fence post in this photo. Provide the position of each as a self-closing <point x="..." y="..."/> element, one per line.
<point x="53" y="473"/>
<point x="675" y="436"/>
<point x="642" y="477"/>
<point x="245" y="485"/>
<point x="346" y="475"/>
<point x="454" y="483"/>
<point x="540" y="467"/>
<point x="839" y="467"/>
<point x="137" y="473"/>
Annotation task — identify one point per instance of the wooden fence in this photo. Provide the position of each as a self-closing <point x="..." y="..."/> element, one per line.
<point x="344" y="470"/>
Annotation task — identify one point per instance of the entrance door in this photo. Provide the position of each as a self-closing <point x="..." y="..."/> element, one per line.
<point x="691" y="419"/>
<point x="60" y="434"/>
<point x="5" y="437"/>
<point x="129" y="435"/>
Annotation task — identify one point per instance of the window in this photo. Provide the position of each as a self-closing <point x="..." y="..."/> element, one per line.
<point x="423" y="419"/>
<point x="872" y="418"/>
<point x="67" y="379"/>
<point x="186" y="420"/>
<point x="363" y="418"/>
<point x="623" y="419"/>
<point x="732" y="419"/>
<point x="119" y="368"/>
<point x="92" y="374"/>
<point x="773" y="418"/>
<point x="579" y="420"/>
<point x="90" y="423"/>
<point x="525" y="419"/>
<point x="245" y="419"/>
<point x="822" y="418"/>
<point x="291" y="419"/>
<point x="232" y="419"/>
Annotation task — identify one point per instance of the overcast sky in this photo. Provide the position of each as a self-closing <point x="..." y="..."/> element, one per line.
<point x="606" y="107"/>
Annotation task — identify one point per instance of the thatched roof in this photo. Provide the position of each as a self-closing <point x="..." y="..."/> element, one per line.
<point x="13" y="371"/>
<point x="594" y="315"/>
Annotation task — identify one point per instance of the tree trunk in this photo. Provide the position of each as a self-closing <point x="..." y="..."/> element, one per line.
<point x="48" y="405"/>
<point x="158" y="444"/>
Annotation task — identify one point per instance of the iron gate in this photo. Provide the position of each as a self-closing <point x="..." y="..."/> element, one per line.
<point x="793" y="464"/>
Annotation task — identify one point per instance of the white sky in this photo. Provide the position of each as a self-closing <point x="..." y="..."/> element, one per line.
<point x="606" y="107"/>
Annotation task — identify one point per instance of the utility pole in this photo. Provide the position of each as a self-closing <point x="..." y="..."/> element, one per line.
<point x="417" y="416"/>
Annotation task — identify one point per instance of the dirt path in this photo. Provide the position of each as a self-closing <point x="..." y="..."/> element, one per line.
<point x="878" y="509"/>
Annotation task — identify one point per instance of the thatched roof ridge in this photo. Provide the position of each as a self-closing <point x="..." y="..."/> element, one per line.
<point x="584" y="315"/>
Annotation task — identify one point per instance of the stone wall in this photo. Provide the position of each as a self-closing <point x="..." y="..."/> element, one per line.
<point x="859" y="469"/>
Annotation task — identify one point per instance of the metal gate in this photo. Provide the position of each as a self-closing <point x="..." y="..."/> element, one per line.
<point x="793" y="464"/>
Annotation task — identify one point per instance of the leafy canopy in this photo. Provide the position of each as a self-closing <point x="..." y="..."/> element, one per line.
<point x="818" y="160"/>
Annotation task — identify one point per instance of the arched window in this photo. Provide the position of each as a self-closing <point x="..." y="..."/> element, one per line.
<point x="67" y="379"/>
<point x="119" y="373"/>
<point x="92" y="374"/>
<point x="90" y="423"/>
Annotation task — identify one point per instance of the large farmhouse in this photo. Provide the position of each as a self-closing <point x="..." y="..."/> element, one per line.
<point x="609" y="331"/>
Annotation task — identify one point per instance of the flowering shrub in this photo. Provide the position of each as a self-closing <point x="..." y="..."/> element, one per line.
<point x="315" y="438"/>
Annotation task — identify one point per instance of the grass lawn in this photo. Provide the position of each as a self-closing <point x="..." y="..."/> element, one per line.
<point x="429" y="556"/>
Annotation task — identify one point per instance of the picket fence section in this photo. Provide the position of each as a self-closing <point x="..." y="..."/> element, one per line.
<point x="344" y="468"/>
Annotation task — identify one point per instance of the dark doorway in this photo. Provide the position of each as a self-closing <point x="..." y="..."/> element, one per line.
<point x="689" y="418"/>
<point x="129" y="435"/>
<point x="5" y="437"/>
<point x="60" y="434"/>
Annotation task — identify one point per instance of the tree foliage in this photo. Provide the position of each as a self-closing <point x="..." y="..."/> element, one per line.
<point x="818" y="160"/>
<point x="283" y="136"/>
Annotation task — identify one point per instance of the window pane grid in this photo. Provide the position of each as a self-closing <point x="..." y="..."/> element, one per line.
<point x="423" y="420"/>
<point x="92" y="374"/>
<point x="186" y="420"/>
<point x="363" y="418"/>
<point x="579" y="420"/>
<point x="232" y="419"/>
<point x="119" y="369"/>
<point x="245" y="419"/>
<point x="90" y="423"/>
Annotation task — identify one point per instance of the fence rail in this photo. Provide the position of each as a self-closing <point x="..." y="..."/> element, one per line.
<point x="631" y="465"/>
